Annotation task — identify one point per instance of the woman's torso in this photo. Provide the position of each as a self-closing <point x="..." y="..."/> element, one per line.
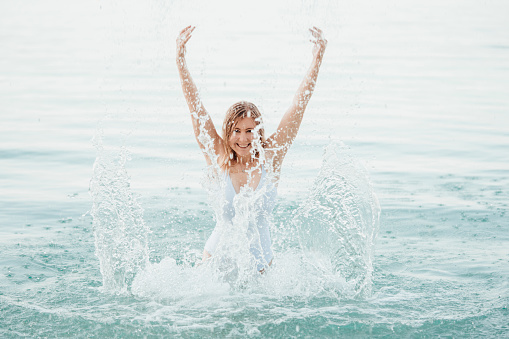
<point x="251" y="207"/>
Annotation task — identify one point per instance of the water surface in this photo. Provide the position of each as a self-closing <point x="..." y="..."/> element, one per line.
<point x="416" y="92"/>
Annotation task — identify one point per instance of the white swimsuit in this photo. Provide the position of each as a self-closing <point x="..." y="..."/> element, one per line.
<point x="258" y="231"/>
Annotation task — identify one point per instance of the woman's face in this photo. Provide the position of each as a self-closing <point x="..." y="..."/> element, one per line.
<point x="242" y="136"/>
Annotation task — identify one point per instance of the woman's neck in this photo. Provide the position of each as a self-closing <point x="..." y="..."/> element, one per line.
<point x="243" y="164"/>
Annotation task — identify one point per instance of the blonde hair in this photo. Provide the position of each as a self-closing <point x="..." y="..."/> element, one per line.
<point x="241" y="109"/>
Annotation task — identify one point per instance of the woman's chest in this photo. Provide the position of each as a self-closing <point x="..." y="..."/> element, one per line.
<point x="250" y="179"/>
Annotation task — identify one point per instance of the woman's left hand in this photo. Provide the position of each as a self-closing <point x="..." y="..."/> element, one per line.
<point x="182" y="40"/>
<point x="319" y="41"/>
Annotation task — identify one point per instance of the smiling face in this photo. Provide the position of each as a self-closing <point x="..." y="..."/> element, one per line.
<point x="243" y="133"/>
<point x="242" y="136"/>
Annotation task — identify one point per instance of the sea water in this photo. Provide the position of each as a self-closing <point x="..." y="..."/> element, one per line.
<point x="391" y="217"/>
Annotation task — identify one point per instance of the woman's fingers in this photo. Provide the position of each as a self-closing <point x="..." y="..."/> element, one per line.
<point x="318" y="40"/>
<point x="318" y="36"/>
<point x="316" y="32"/>
<point x="185" y="31"/>
<point x="185" y="35"/>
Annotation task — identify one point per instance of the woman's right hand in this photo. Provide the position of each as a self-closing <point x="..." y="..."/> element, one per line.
<point x="320" y="43"/>
<point x="182" y="39"/>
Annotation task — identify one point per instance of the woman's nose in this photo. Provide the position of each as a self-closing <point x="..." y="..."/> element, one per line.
<point x="244" y="137"/>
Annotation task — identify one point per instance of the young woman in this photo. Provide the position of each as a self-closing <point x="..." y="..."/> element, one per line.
<point x="243" y="155"/>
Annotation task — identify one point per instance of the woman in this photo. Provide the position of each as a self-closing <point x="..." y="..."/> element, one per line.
<point x="246" y="159"/>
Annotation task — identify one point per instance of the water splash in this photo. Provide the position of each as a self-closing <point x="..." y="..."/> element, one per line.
<point x="336" y="227"/>
<point x="121" y="235"/>
<point x="339" y="220"/>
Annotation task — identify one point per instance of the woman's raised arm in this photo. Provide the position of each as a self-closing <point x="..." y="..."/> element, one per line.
<point x="209" y="141"/>
<point x="287" y="130"/>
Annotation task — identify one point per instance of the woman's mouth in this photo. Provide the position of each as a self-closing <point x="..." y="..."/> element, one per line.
<point x="244" y="146"/>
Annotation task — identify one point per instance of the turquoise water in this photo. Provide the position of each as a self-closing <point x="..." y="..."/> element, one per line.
<point x="414" y="94"/>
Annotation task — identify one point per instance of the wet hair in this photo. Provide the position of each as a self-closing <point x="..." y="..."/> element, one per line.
<point x="241" y="109"/>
